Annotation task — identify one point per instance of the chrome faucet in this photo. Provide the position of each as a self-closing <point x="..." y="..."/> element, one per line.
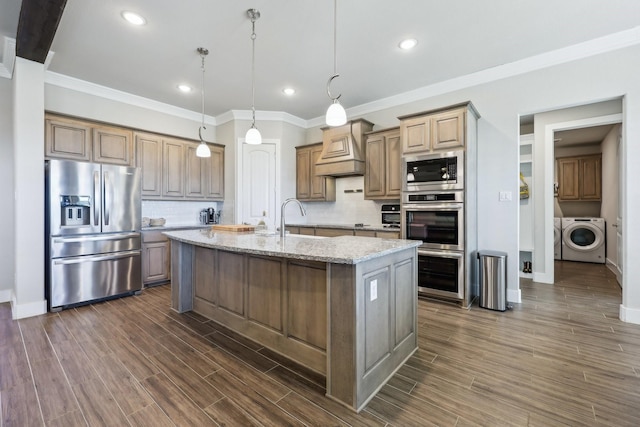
<point x="282" y="221"/>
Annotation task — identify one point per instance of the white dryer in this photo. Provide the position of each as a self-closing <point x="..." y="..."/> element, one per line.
<point x="557" y="238"/>
<point x="583" y="239"/>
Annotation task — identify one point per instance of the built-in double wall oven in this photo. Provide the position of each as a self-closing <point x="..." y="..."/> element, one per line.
<point x="434" y="213"/>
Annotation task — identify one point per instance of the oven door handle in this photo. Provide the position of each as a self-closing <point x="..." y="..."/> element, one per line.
<point x="435" y="207"/>
<point x="441" y="254"/>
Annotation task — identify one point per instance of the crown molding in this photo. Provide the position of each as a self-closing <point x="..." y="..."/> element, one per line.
<point x="8" y="57"/>
<point x="83" y="86"/>
<point x="262" y="116"/>
<point x="552" y="58"/>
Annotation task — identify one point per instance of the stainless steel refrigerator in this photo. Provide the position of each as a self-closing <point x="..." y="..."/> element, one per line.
<point x="92" y="228"/>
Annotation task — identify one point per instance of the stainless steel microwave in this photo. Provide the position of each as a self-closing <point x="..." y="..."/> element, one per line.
<point x="436" y="171"/>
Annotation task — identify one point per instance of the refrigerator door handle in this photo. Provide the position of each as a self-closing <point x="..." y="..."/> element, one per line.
<point x="96" y="198"/>
<point x="98" y="238"/>
<point x="81" y="259"/>
<point x="108" y="188"/>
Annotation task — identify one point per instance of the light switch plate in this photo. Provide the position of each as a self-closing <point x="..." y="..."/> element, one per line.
<point x="505" y="196"/>
<point x="374" y="290"/>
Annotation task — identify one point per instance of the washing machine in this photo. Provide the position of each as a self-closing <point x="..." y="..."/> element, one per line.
<point x="583" y="239"/>
<point x="557" y="238"/>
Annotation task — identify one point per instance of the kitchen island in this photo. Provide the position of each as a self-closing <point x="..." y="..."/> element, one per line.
<point x="345" y="307"/>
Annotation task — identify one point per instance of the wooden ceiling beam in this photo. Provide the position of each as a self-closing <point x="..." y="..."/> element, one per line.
<point x="37" y="26"/>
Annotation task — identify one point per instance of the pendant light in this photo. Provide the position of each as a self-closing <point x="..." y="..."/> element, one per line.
<point x="253" y="136"/>
<point x="336" y="116"/>
<point x="203" y="149"/>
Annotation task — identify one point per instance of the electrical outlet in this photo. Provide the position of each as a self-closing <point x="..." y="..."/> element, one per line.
<point x="505" y="196"/>
<point x="374" y="290"/>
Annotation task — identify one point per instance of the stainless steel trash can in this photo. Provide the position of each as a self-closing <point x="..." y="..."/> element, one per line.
<point x="493" y="280"/>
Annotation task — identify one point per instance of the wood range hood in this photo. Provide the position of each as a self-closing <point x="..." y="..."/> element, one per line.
<point x="343" y="149"/>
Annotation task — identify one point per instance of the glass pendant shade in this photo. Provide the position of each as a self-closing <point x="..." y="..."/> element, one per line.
<point x="336" y="115"/>
<point x="253" y="136"/>
<point x="203" y="150"/>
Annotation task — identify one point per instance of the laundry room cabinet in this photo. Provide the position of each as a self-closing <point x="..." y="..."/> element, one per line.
<point x="580" y="178"/>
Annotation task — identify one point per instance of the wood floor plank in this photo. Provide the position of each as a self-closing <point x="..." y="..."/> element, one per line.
<point x="227" y="413"/>
<point x="268" y="413"/>
<point x="254" y="359"/>
<point x="124" y="387"/>
<point x="191" y="384"/>
<point x="196" y="360"/>
<point x="180" y="409"/>
<point x="150" y="416"/>
<point x="307" y="412"/>
<point x="74" y="362"/>
<point x="256" y="380"/>
<point x="56" y="397"/>
<point x="97" y="404"/>
<point x="19" y="405"/>
<point x="70" y="419"/>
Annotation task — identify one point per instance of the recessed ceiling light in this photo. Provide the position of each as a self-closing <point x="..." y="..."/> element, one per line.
<point x="185" y="88"/>
<point x="133" y="18"/>
<point x="408" y="44"/>
<point x="289" y="91"/>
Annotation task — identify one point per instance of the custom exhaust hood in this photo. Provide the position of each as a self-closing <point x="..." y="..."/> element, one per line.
<point x="343" y="150"/>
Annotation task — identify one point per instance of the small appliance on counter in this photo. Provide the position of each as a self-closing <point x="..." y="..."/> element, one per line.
<point x="390" y="216"/>
<point x="209" y="216"/>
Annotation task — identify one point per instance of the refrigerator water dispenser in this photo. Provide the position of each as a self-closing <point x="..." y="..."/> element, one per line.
<point x="76" y="210"/>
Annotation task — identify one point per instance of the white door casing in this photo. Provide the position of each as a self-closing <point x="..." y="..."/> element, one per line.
<point x="618" y="223"/>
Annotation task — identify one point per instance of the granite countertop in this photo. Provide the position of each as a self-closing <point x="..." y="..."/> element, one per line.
<point x="176" y="227"/>
<point x="366" y="227"/>
<point x="338" y="250"/>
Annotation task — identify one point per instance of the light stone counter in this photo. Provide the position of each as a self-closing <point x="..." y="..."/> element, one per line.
<point x="336" y="250"/>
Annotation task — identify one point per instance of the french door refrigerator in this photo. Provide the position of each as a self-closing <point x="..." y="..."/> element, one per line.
<point x="92" y="225"/>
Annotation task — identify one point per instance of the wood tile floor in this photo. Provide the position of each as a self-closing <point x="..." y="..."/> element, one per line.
<point x="561" y="357"/>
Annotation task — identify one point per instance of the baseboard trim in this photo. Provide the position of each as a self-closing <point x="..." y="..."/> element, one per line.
<point x="20" y="311"/>
<point x="5" y="295"/>
<point x="514" y="296"/>
<point x="629" y="315"/>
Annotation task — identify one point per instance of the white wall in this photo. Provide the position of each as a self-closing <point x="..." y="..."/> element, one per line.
<point x="7" y="254"/>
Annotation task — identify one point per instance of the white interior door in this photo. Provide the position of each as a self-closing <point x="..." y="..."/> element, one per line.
<point x="618" y="224"/>
<point x="258" y="193"/>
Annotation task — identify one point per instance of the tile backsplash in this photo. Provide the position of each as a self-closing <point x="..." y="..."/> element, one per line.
<point x="349" y="207"/>
<point x="176" y="213"/>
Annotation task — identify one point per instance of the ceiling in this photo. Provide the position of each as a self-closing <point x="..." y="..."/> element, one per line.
<point x="294" y="45"/>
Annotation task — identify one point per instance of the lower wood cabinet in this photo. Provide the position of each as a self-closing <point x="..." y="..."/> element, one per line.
<point x="156" y="258"/>
<point x="335" y="232"/>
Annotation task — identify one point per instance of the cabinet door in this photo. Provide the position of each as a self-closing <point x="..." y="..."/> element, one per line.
<point x="374" y="177"/>
<point x="591" y="178"/>
<point x="195" y="177"/>
<point x="149" y="160"/>
<point x="67" y="139"/>
<point x="388" y="234"/>
<point x="568" y="179"/>
<point x="173" y="168"/>
<point x="393" y="158"/>
<point x="321" y="186"/>
<point x="416" y="134"/>
<point x="112" y="145"/>
<point x="156" y="262"/>
<point x="303" y="170"/>
<point x="332" y="232"/>
<point x="448" y="129"/>
<point x="215" y="174"/>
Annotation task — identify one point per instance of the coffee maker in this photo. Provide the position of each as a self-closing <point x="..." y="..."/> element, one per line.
<point x="208" y="216"/>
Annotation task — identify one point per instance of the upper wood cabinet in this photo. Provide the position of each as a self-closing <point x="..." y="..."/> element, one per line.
<point x="382" y="178"/>
<point x="74" y="139"/>
<point x="149" y="160"/>
<point x="67" y="139"/>
<point x="112" y="145"/>
<point x="172" y="171"/>
<point x="434" y="131"/>
<point x="580" y="178"/>
<point x="309" y="186"/>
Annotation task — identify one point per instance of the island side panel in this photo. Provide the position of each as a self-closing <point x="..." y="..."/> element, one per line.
<point x="373" y="321"/>
<point x="253" y="296"/>
<point x="181" y="276"/>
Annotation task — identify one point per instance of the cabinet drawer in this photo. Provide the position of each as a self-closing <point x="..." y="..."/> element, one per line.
<point x="333" y="232"/>
<point x="154" y="236"/>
